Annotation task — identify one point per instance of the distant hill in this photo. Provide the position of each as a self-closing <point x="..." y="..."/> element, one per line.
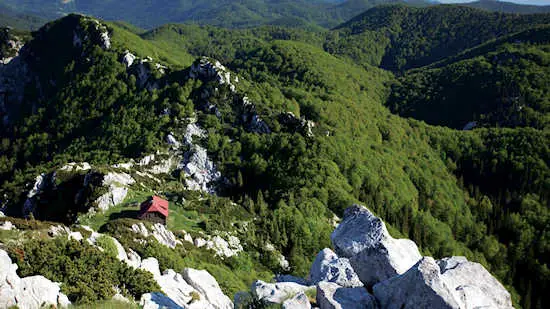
<point x="225" y="13"/>
<point x="502" y="83"/>
<point x="12" y="18"/>
<point x="508" y="7"/>
<point x="399" y="37"/>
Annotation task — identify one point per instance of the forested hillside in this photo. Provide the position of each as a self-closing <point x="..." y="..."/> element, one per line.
<point x="315" y="134"/>
<point x="508" y="7"/>
<point x="406" y="37"/>
<point x="224" y="13"/>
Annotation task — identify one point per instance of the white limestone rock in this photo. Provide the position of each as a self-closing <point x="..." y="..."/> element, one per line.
<point x="121" y="298"/>
<point x="223" y="248"/>
<point x="171" y="140"/>
<point x="157" y="301"/>
<point x="151" y="265"/>
<point x="328" y="267"/>
<point x="419" y="287"/>
<point x="117" y="189"/>
<point x="474" y="284"/>
<point x="134" y="260"/>
<point x="76" y="167"/>
<point x="332" y="296"/>
<point x="299" y="301"/>
<point x="373" y="253"/>
<point x="29" y="292"/>
<point x="201" y="172"/>
<point x="76" y="236"/>
<point x="58" y="230"/>
<point x="7" y="226"/>
<point x="165" y="236"/>
<point x="175" y="287"/>
<point x="207" y="285"/>
<point x="277" y="293"/>
<point x="140" y="229"/>
<point x="128" y="59"/>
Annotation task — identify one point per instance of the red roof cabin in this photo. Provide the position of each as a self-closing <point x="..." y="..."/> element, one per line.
<point x="154" y="209"/>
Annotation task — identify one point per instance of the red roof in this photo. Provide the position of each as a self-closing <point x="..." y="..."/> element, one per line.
<point x="155" y="204"/>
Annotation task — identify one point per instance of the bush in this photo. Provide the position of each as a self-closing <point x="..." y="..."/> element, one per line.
<point x="87" y="274"/>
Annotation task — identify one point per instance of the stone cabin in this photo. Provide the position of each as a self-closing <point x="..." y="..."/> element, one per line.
<point x="154" y="209"/>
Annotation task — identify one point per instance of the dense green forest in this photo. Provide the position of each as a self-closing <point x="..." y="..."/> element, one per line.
<point x="226" y="13"/>
<point x="482" y="193"/>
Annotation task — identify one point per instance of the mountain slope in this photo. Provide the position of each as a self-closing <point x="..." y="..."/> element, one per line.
<point x="500" y="84"/>
<point x="420" y="36"/>
<point x="220" y="12"/>
<point x="312" y="137"/>
<point x="508" y="7"/>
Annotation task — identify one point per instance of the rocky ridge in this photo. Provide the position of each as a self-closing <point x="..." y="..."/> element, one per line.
<point x="393" y="269"/>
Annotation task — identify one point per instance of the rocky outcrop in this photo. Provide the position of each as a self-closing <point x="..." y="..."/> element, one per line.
<point x="381" y="262"/>
<point x="41" y="183"/>
<point x="117" y="189"/>
<point x="277" y="293"/>
<point x="159" y="232"/>
<point x="296" y="124"/>
<point x="190" y="289"/>
<point x="475" y="286"/>
<point x="201" y="173"/>
<point x="299" y="301"/>
<point x="332" y="296"/>
<point x="221" y="247"/>
<point x="329" y="268"/>
<point x="420" y="287"/>
<point x="93" y="33"/>
<point x="373" y="253"/>
<point x="210" y="70"/>
<point x="206" y="285"/>
<point x="29" y="292"/>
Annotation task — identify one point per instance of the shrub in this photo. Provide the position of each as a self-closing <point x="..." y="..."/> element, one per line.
<point x="87" y="274"/>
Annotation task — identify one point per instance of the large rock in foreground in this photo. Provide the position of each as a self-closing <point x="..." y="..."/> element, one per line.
<point x="206" y="285"/>
<point x="29" y="292"/>
<point x="332" y="296"/>
<point x="475" y="286"/>
<point x="399" y="276"/>
<point x="330" y="268"/>
<point x="374" y="254"/>
<point x="454" y="283"/>
<point x="420" y="287"/>
<point x="277" y="293"/>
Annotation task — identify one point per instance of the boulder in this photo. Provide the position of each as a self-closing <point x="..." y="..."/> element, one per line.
<point x="419" y="287"/>
<point x="29" y="292"/>
<point x="299" y="301"/>
<point x="328" y="267"/>
<point x="474" y="284"/>
<point x="174" y="286"/>
<point x="140" y="229"/>
<point x="165" y="236"/>
<point x="332" y="296"/>
<point x="224" y="248"/>
<point x="373" y="253"/>
<point x="157" y="301"/>
<point x="134" y="260"/>
<point x="7" y="226"/>
<point x="76" y="236"/>
<point x="128" y="59"/>
<point x="206" y="285"/>
<point x="277" y="293"/>
<point x="151" y="265"/>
